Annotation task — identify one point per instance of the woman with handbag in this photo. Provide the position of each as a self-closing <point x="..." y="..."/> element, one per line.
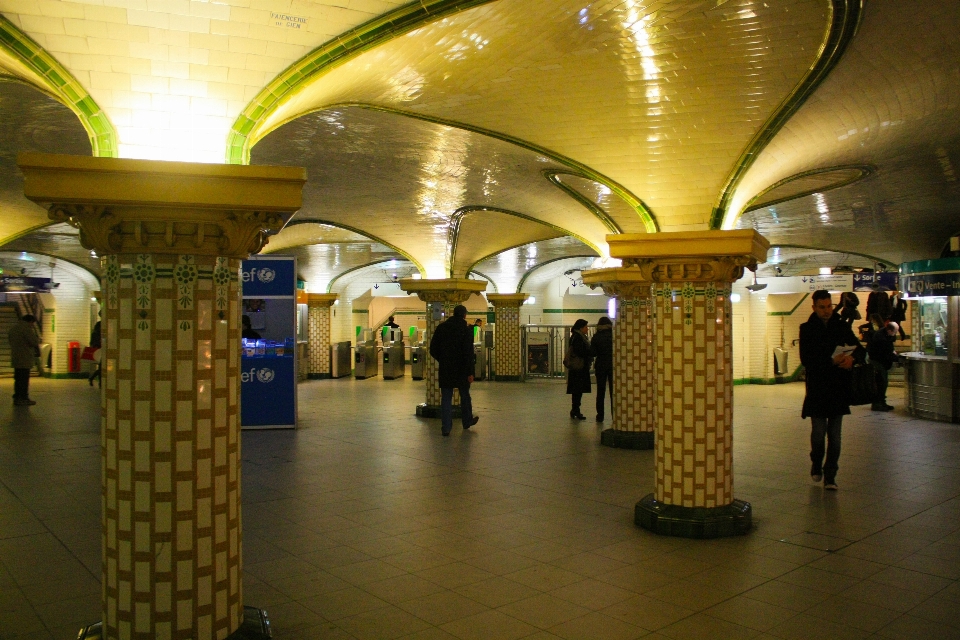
<point x="578" y="361"/>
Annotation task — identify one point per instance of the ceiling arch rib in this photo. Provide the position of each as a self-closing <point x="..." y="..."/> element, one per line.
<point x="327" y="56"/>
<point x="30" y="120"/>
<point x="845" y="19"/>
<point x="407" y="198"/>
<point x="636" y="96"/>
<point x="893" y="102"/>
<point x="550" y="269"/>
<point x="24" y="59"/>
<point x="507" y="268"/>
<point x="808" y="183"/>
<point x="471" y="240"/>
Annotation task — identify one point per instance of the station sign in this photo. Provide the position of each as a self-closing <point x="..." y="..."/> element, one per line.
<point x="939" y="277"/>
<point x="886" y="280"/>
<point x="833" y="282"/>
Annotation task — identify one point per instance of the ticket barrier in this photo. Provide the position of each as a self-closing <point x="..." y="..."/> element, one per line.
<point x="366" y="362"/>
<point x="341" y="364"/>
<point x="418" y="356"/>
<point x="394" y="365"/>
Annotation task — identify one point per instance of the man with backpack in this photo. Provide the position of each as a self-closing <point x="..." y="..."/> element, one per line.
<point x="452" y="347"/>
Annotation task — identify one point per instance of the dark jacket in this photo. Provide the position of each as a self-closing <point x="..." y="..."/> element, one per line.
<point x="452" y="347"/>
<point x="579" y="381"/>
<point x="828" y="386"/>
<point x="24" y="344"/>
<point x="96" y="339"/>
<point x="602" y="347"/>
<point x="880" y="348"/>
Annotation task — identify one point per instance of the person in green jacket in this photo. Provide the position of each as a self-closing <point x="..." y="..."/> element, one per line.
<point x="24" y="349"/>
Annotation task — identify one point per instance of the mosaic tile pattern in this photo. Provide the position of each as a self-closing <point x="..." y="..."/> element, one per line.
<point x="171" y="448"/>
<point x="507" y="340"/>
<point x="694" y="442"/>
<point x="318" y="338"/>
<point x="634" y="366"/>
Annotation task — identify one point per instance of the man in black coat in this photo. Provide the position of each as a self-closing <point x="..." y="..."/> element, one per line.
<point x="828" y="384"/>
<point x="452" y="347"/>
<point x="602" y="347"/>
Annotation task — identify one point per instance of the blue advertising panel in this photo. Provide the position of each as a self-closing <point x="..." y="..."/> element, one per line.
<point x="268" y="389"/>
<point x="268" y="366"/>
<point x="269" y="277"/>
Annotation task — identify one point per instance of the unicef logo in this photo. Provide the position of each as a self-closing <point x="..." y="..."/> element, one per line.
<point x="264" y="376"/>
<point x="265" y="276"/>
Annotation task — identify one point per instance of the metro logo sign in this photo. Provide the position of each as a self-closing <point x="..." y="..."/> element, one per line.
<point x="266" y="277"/>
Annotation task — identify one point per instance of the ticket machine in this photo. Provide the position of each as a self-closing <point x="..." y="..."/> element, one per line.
<point x="479" y="359"/>
<point x="394" y="365"/>
<point x="418" y="354"/>
<point x="366" y="363"/>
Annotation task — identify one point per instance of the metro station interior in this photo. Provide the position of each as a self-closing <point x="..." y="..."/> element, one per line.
<point x="691" y="169"/>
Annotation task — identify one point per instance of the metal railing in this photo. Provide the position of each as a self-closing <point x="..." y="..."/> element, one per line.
<point x="543" y="347"/>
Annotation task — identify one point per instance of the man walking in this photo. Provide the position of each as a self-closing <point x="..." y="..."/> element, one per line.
<point x="452" y="347"/>
<point x="828" y="384"/>
<point x="602" y="347"/>
<point x="24" y="349"/>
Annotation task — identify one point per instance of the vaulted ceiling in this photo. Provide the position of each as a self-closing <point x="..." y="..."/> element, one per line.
<point x="463" y="136"/>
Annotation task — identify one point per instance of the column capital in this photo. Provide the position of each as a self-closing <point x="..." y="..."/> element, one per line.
<point x="321" y="299"/>
<point x="147" y="206"/>
<point x="507" y="299"/>
<point x="453" y="290"/>
<point x="621" y="282"/>
<point x="691" y="256"/>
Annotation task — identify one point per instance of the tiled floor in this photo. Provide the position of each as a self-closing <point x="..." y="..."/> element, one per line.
<point x="366" y="523"/>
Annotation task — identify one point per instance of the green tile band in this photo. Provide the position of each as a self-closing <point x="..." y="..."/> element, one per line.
<point x="846" y="16"/>
<point x="63" y="86"/>
<point x="632" y="201"/>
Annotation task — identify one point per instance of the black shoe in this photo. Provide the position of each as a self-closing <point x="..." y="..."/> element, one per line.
<point x="90" y="380"/>
<point x="475" y="420"/>
<point x="578" y="416"/>
<point x="444" y="433"/>
<point x="24" y="403"/>
<point x="599" y="417"/>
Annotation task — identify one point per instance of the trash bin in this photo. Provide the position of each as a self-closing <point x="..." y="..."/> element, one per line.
<point x="780" y="359"/>
<point x="73" y="357"/>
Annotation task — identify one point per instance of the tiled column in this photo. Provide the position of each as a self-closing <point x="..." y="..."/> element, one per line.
<point x="318" y="334"/>
<point x="172" y="538"/>
<point x="634" y="358"/>
<point x="692" y="274"/>
<point x="507" y="336"/>
<point x="441" y="297"/>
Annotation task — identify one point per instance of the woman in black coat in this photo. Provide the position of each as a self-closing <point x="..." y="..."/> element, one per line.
<point x="578" y="380"/>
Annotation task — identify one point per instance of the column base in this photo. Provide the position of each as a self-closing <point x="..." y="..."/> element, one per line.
<point x="255" y="626"/>
<point x="319" y="376"/>
<point x="433" y="410"/>
<point x="507" y="379"/>
<point x="626" y="439"/>
<point x="733" y="519"/>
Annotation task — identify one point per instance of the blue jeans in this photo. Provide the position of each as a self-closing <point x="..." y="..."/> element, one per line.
<point x="446" y="407"/>
<point x="828" y="428"/>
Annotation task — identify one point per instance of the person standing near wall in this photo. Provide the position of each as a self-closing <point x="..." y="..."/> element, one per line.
<point x="578" y="380"/>
<point x="602" y="347"/>
<point x="828" y="384"/>
<point x="24" y="349"/>
<point x="96" y="342"/>
<point x="452" y="347"/>
<point x="882" y="355"/>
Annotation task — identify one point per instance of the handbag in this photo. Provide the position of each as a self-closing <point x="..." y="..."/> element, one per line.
<point x="573" y="362"/>
<point x="863" y="384"/>
<point x="91" y="353"/>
